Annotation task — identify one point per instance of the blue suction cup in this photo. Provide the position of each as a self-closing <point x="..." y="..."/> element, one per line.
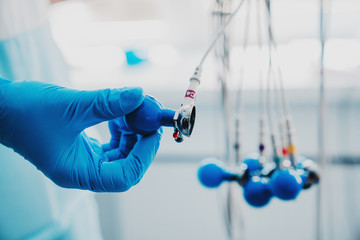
<point x="286" y="184"/>
<point x="253" y="164"/>
<point x="149" y="117"/>
<point x="309" y="172"/>
<point x="212" y="173"/>
<point x="303" y="176"/>
<point x="257" y="192"/>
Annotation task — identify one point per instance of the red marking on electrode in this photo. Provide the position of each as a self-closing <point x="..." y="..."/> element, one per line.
<point x="175" y="134"/>
<point x="284" y="151"/>
<point x="190" y="94"/>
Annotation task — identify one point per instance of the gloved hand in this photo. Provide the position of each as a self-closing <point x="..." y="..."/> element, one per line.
<point x="44" y="123"/>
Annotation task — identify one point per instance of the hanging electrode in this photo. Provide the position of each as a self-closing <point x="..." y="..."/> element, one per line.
<point x="184" y="118"/>
<point x="261" y="182"/>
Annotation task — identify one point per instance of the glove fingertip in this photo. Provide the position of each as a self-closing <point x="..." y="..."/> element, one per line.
<point x="130" y="99"/>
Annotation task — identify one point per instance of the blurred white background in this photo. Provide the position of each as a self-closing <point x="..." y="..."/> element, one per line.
<point x="172" y="35"/>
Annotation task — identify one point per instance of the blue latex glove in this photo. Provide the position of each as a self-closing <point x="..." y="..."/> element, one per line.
<point x="44" y="123"/>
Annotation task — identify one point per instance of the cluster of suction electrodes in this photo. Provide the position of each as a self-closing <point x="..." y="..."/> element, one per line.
<point x="261" y="182"/>
<point x="283" y="177"/>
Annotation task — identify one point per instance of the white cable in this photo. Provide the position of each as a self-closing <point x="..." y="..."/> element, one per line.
<point x="273" y="43"/>
<point x="221" y="32"/>
<point x="258" y="15"/>
<point x="262" y="109"/>
<point x="238" y="101"/>
<point x="268" y="97"/>
<point x="319" y="211"/>
<point x="286" y="108"/>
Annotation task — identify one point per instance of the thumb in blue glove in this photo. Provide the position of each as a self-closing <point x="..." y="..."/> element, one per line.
<point x="45" y="123"/>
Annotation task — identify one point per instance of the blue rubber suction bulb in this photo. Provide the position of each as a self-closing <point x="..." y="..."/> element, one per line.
<point x="286" y="184"/>
<point x="309" y="172"/>
<point x="257" y="192"/>
<point x="212" y="173"/>
<point x="149" y="117"/>
<point x="252" y="164"/>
